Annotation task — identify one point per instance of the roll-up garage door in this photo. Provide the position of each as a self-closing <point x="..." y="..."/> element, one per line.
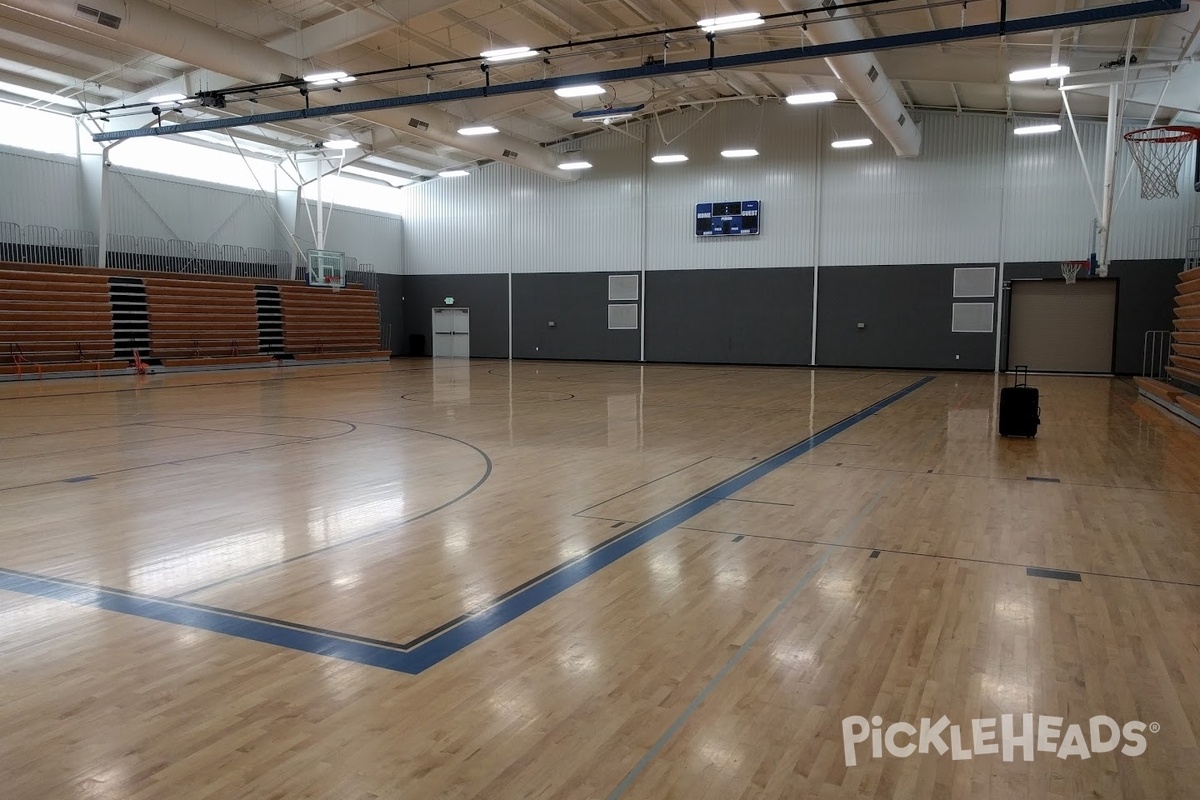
<point x="1060" y="327"/>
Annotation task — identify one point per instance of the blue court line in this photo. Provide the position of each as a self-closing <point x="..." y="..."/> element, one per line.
<point x="455" y="636"/>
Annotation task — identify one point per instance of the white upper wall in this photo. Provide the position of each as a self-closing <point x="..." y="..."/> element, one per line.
<point x="46" y="189"/>
<point x="977" y="193"/>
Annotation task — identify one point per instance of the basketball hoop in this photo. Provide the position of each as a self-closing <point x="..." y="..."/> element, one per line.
<point x="1159" y="153"/>
<point x="1070" y="269"/>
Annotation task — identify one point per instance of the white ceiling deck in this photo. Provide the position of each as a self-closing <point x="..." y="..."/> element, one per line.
<point x="356" y="36"/>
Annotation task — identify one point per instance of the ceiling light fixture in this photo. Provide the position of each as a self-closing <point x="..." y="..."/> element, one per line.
<point x="608" y="115"/>
<point x="588" y="90"/>
<point x="810" y="97"/>
<point x="745" y="152"/>
<point x="329" y="78"/>
<point x="575" y="165"/>
<point x="453" y="173"/>
<point x="341" y="144"/>
<point x="1053" y="127"/>
<point x="1040" y="73"/>
<point x="842" y="144"/>
<point x="731" y="22"/>
<point x="478" y="130"/>
<point x="669" y="158"/>
<point x="508" y="54"/>
<point x="168" y="98"/>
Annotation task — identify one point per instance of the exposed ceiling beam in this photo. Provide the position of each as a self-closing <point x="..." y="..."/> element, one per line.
<point x="1130" y="10"/>
<point x="353" y="26"/>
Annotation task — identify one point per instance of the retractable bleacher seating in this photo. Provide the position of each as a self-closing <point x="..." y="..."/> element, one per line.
<point x="63" y="320"/>
<point x="322" y="324"/>
<point x="1181" y="391"/>
<point x="59" y="323"/>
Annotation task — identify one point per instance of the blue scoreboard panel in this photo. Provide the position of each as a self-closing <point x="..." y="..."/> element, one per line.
<point x="734" y="218"/>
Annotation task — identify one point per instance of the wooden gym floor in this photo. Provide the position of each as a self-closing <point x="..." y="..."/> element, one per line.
<point x="562" y="580"/>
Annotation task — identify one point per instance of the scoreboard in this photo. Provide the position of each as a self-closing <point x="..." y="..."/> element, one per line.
<point x="730" y="218"/>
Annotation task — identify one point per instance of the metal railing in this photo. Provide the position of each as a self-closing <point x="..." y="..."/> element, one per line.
<point x="45" y="244"/>
<point x="1156" y="353"/>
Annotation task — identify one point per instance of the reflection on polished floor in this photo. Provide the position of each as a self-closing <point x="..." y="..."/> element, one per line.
<point x="564" y="580"/>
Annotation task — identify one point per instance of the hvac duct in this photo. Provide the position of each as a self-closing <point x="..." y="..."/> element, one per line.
<point x="861" y="74"/>
<point x="150" y="27"/>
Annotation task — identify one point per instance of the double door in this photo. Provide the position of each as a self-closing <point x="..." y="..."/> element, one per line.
<point x="451" y="333"/>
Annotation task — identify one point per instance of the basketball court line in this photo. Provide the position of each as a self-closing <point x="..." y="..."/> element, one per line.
<point x="73" y="450"/>
<point x="190" y="459"/>
<point x="455" y="635"/>
<point x="580" y="513"/>
<point x="276" y="377"/>
<point x="236" y="430"/>
<point x="897" y="552"/>
<point x="390" y="528"/>
<point x="850" y="527"/>
<point x="1022" y="479"/>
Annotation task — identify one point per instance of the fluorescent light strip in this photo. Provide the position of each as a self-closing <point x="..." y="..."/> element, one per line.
<point x="811" y="97"/>
<point x="590" y="90"/>
<point x="1040" y="73"/>
<point x="1028" y="129"/>
<point x="342" y="144"/>
<point x="454" y="173"/>
<point x="508" y="54"/>
<point x="731" y="22"/>
<point x="841" y="144"/>
<point x="478" y="130"/>
<point x="575" y="165"/>
<point x="747" y="152"/>
<point x="168" y="98"/>
<point x="669" y="158"/>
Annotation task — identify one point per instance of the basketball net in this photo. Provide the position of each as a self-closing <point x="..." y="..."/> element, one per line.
<point x="1070" y="269"/>
<point x="1159" y="154"/>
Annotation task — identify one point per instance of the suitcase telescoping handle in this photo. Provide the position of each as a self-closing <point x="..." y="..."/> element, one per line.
<point x="1021" y="375"/>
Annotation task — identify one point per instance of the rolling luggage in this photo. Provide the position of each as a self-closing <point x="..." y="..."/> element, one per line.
<point x="1020" y="413"/>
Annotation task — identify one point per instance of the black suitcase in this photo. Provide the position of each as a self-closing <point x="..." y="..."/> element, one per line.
<point x="1020" y="413"/>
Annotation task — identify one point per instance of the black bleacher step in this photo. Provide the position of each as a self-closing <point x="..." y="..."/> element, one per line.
<point x="268" y="304"/>
<point x="130" y="316"/>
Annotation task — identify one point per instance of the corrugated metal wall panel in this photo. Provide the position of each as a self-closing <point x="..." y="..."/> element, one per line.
<point x="941" y="207"/>
<point x="783" y="177"/>
<point x="464" y="223"/>
<point x="40" y="190"/>
<point x="371" y="238"/>
<point x="1048" y="210"/>
<point x="144" y="205"/>
<point x="1147" y="229"/>
<point x="556" y="227"/>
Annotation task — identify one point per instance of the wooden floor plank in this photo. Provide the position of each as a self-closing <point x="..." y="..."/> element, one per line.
<point x="883" y="572"/>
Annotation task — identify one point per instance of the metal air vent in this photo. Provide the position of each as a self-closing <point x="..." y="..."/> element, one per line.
<point x="510" y="153"/>
<point x="873" y="73"/>
<point x="97" y="16"/>
<point x="830" y="7"/>
<point x="901" y="120"/>
<point x="419" y="124"/>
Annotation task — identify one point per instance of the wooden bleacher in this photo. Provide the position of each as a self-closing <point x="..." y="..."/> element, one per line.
<point x="325" y="324"/>
<point x="61" y="320"/>
<point x="1180" y="393"/>
<point x="197" y="323"/>
<point x="66" y="323"/>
